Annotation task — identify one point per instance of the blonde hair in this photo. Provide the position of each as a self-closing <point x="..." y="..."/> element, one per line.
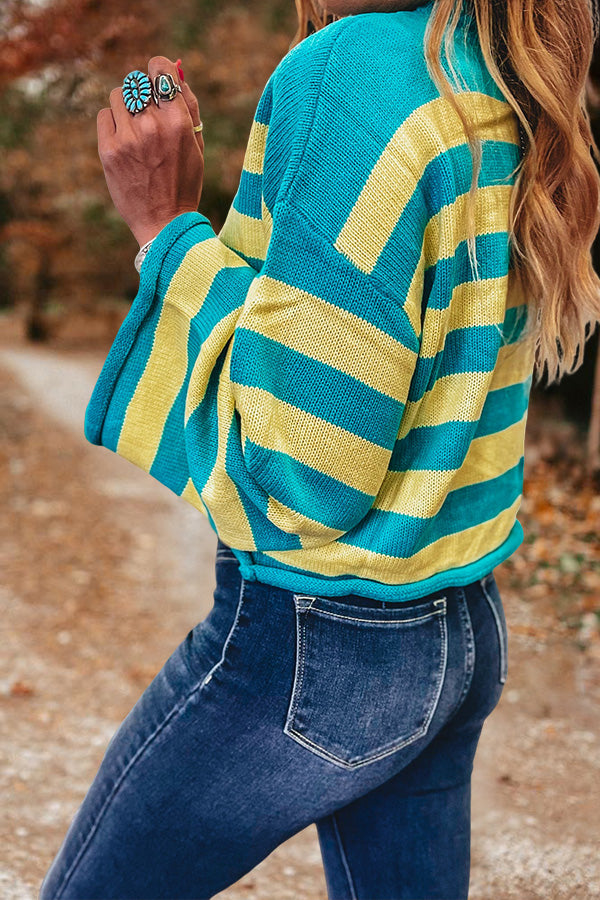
<point x="539" y="53"/>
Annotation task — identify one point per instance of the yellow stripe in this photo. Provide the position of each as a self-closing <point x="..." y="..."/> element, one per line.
<point x="245" y="234"/>
<point x="393" y="179"/>
<point x="515" y="295"/>
<point x="291" y="521"/>
<point x="284" y="428"/>
<point x="206" y="360"/>
<point x="453" y="398"/>
<point x="255" y="148"/>
<point x="156" y="391"/>
<point x="220" y="493"/>
<point x="166" y="366"/>
<point x="267" y="220"/>
<point x="446" y="229"/>
<point x="421" y="493"/>
<point x="192" y="496"/>
<point x="492" y="455"/>
<point x="449" y="552"/>
<point x="514" y="364"/>
<point x="414" y="296"/>
<point x="459" y="397"/>
<point x="198" y="269"/>
<point x="325" y="332"/>
<point x="472" y="304"/>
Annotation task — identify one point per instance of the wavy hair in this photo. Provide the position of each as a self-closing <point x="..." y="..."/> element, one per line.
<point x="539" y="53"/>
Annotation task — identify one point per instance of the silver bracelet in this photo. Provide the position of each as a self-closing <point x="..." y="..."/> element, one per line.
<point x="141" y="256"/>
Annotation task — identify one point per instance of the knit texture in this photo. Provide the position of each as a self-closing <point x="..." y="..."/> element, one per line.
<point x="327" y="379"/>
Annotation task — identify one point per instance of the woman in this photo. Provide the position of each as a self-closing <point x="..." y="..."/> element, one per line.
<point x="339" y="380"/>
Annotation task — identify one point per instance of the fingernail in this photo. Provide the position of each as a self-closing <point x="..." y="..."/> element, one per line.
<point x="179" y="69"/>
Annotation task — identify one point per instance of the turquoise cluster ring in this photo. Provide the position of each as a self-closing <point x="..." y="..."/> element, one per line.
<point x="138" y="91"/>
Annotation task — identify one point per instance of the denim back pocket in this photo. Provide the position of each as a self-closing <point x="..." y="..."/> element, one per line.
<point x="367" y="681"/>
<point x="494" y="600"/>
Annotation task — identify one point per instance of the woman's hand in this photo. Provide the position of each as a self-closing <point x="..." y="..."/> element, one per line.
<point x="153" y="161"/>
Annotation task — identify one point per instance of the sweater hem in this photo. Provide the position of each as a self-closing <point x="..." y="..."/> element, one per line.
<point x="310" y="583"/>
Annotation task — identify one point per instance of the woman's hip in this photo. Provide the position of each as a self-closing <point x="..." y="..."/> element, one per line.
<point x="274" y="711"/>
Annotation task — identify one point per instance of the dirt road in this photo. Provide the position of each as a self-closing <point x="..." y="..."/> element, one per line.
<point x="104" y="572"/>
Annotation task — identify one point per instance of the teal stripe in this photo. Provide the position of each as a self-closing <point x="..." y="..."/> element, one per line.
<point x="132" y="369"/>
<point x="471" y="349"/>
<point x="191" y="449"/>
<point x="439" y="447"/>
<point x="226" y="295"/>
<point x="498" y="159"/>
<point x="170" y="465"/>
<point x="492" y="256"/>
<point x="399" y="535"/>
<point x="514" y="323"/>
<point x="503" y="407"/>
<point x="315" y="387"/>
<point x="443" y="447"/>
<point x="306" y="490"/>
<point x="248" y="196"/>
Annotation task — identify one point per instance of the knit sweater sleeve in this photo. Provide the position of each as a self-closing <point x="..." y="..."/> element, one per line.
<point x="261" y="374"/>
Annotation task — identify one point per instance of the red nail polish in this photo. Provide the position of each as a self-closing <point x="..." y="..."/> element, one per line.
<point x="179" y="69"/>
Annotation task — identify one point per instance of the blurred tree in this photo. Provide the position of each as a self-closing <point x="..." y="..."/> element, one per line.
<point x="58" y="64"/>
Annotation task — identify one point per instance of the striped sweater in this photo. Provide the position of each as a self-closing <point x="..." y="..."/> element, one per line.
<point x="327" y="379"/>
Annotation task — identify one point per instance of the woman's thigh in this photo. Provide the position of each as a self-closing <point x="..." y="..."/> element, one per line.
<point x="275" y="711"/>
<point x="411" y="836"/>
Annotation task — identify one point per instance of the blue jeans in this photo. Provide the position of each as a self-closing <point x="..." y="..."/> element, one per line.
<point x="279" y="710"/>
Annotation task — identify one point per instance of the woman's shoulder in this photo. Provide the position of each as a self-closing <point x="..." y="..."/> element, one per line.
<point x="365" y="71"/>
<point x="356" y="44"/>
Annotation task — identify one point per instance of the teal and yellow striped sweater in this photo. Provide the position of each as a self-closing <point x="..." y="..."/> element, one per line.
<point x="326" y="379"/>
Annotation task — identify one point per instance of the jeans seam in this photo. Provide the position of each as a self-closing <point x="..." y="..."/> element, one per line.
<point x="470" y="654"/>
<point x="345" y="863"/>
<point x="501" y="642"/>
<point x="151" y="737"/>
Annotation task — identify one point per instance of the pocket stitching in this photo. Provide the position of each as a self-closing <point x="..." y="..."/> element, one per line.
<point x="381" y="752"/>
<point x="500" y="631"/>
<point x="333" y="615"/>
<point x="299" y="665"/>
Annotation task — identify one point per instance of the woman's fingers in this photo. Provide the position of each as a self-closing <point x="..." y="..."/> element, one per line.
<point x="159" y="65"/>
<point x="105" y="124"/>
<point x="192" y="105"/>
<point x="121" y="115"/>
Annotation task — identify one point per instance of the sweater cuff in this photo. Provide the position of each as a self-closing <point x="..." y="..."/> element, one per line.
<point x="162" y="250"/>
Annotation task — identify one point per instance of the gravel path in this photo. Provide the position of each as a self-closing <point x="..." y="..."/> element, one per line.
<point x="104" y="572"/>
